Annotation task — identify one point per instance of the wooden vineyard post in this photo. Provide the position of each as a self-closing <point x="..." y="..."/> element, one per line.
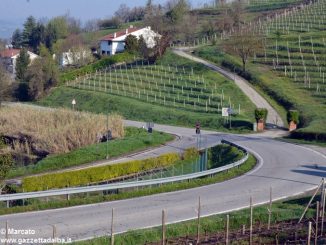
<point x="312" y="198"/>
<point x="270" y="209"/>
<point x="316" y="229"/>
<point x="251" y="220"/>
<point x="309" y="234"/>
<point x="198" y="222"/>
<point x="227" y="230"/>
<point x="112" y="231"/>
<point x="54" y="232"/>
<point x="323" y="214"/>
<point x="163" y="227"/>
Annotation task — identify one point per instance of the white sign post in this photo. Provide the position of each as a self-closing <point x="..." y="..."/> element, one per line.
<point x="73" y="102"/>
<point x="225" y="112"/>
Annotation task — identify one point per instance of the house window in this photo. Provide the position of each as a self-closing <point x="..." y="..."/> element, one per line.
<point x="103" y="51"/>
<point x="108" y="52"/>
<point x="109" y="43"/>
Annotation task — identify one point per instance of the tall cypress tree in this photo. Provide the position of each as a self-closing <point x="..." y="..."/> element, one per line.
<point x="21" y="65"/>
<point x="16" y="39"/>
<point x="29" y="26"/>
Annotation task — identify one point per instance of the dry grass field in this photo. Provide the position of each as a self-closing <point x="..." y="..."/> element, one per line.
<point x="38" y="132"/>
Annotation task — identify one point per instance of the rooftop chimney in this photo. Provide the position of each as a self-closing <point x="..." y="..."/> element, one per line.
<point x="127" y="31"/>
<point x="115" y="35"/>
<point x="131" y="26"/>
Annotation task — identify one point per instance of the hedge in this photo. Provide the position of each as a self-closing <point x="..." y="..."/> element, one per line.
<point x="293" y="115"/>
<point x="96" y="174"/>
<point x="261" y="114"/>
<point x="91" y="68"/>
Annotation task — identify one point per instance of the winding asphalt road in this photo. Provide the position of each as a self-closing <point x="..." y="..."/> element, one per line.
<point x="289" y="169"/>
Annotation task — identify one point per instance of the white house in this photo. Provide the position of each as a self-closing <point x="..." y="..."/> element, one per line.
<point x="115" y="42"/>
<point x="9" y="56"/>
<point x="75" y="57"/>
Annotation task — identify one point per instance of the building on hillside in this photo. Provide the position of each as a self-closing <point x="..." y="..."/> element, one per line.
<point x="9" y="56"/>
<point x="115" y="42"/>
<point x="80" y="57"/>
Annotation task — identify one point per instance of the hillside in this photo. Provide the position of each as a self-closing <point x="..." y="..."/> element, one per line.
<point x="174" y="91"/>
<point x="291" y="70"/>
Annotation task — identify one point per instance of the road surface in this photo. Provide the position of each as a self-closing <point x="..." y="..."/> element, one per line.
<point x="289" y="169"/>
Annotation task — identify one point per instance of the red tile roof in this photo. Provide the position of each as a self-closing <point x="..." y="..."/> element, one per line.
<point x="110" y="37"/>
<point x="8" y="53"/>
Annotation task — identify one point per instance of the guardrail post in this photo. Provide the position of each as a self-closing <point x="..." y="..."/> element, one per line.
<point x="8" y="204"/>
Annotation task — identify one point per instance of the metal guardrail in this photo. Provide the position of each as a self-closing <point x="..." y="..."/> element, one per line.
<point x="123" y="185"/>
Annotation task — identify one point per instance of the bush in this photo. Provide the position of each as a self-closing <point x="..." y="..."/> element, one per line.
<point x="97" y="174"/>
<point x="190" y="154"/>
<point x="293" y="115"/>
<point x="261" y="114"/>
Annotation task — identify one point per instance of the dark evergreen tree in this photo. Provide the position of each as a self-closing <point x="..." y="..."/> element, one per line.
<point x="22" y="63"/>
<point x="16" y="39"/>
<point x="37" y="37"/>
<point x="29" y="26"/>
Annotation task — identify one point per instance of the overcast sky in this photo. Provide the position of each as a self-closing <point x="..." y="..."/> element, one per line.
<point x="14" y="12"/>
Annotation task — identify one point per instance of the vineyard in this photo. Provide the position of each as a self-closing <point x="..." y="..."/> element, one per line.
<point x="296" y="49"/>
<point x="291" y="66"/>
<point x="183" y="87"/>
<point x="168" y="86"/>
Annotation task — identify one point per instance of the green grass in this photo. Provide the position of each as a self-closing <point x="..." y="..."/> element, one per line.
<point x="135" y="140"/>
<point x="281" y="211"/>
<point x="138" y="109"/>
<point x="83" y="199"/>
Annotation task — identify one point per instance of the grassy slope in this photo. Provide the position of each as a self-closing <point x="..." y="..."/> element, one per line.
<point x="135" y="140"/>
<point x="137" y="110"/>
<point x="280" y="88"/>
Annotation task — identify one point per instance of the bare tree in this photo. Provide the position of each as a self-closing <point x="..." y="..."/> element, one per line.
<point x="5" y="84"/>
<point x="91" y="25"/>
<point x="244" y="44"/>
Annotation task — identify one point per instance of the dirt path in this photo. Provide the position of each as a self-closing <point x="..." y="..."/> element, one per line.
<point x="272" y="118"/>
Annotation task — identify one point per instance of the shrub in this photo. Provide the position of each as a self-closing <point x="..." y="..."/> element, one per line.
<point x="97" y="174"/>
<point x="190" y="153"/>
<point x="293" y="115"/>
<point x="261" y="114"/>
